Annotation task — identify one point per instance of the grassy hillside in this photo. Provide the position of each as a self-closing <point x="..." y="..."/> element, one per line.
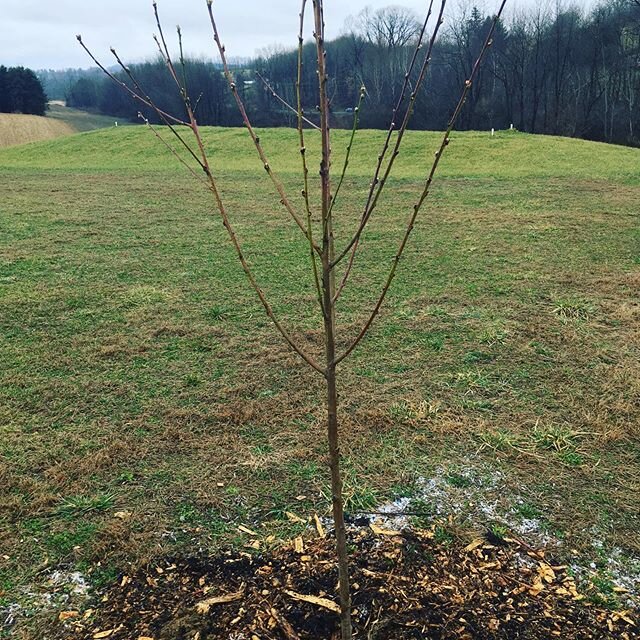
<point x="81" y="120"/>
<point x="17" y="129"/>
<point x="509" y="155"/>
<point x="60" y="121"/>
<point x="139" y="376"/>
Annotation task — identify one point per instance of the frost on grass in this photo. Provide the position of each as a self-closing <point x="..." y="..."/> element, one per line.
<point x="60" y="589"/>
<point x="69" y="582"/>
<point x="477" y="497"/>
<point x="481" y="500"/>
<point x="8" y="615"/>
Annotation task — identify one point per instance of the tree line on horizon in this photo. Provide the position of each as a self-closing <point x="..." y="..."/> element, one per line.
<point x="21" y="91"/>
<point x="556" y="69"/>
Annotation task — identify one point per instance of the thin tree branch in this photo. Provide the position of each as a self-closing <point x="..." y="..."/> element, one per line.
<point x="354" y="129"/>
<point x="164" y="53"/>
<point x="245" y="266"/>
<point x="325" y="126"/>
<point x="158" y="111"/>
<point x="427" y="188"/>
<point x="377" y="185"/>
<point x="183" y="65"/>
<point x="280" y="99"/>
<point x="396" y="109"/>
<point x="213" y="187"/>
<point x="247" y="123"/>
<point x="227" y="223"/>
<point x="249" y="273"/>
<point x="144" y="97"/>
<point x="126" y="87"/>
<point x="303" y="156"/>
<point x="180" y="159"/>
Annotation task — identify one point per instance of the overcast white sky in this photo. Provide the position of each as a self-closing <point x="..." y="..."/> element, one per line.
<point x="41" y="34"/>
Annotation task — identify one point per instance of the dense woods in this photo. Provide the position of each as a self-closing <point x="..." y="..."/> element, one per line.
<point x="556" y="71"/>
<point x="552" y="69"/>
<point x="21" y="92"/>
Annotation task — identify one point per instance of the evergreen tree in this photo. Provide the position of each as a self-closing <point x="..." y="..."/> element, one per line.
<point x="21" y="92"/>
<point x="5" y="96"/>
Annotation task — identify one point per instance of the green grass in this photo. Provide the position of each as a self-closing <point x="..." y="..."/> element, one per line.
<point x="139" y="374"/>
<point x="471" y="155"/>
<point x="82" y="120"/>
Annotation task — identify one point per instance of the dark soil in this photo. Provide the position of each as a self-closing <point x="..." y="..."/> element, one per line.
<point x="404" y="587"/>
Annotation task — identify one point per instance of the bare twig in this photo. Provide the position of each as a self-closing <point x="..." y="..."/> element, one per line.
<point x="247" y="123"/>
<point x="377" y="185"/>
<point x="183" y="66"/>
<point x="164" y="51"/>
<point x="425" y="192"/>
<point x="354" y="129"/>
<point x="282" y="101"/>
<point x="213" y="187"/>
<point x="303" y="156"/>
<point x="127" y="88"/>
<point x="166" y="56"/>
<point x="171" y="149"/>
<point x="158" y="111"/>
<point x="245" y="266"/>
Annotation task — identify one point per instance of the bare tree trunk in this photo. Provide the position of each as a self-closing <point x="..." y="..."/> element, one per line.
<point x="329" y="312"/>
<point x="336" y="479"/>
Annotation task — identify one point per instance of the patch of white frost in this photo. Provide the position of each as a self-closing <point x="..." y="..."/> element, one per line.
<point x="60" y="588"/>
<point x="72" y="582"/>
<point x="8" y="615"/>
<point x="483" y="498"/>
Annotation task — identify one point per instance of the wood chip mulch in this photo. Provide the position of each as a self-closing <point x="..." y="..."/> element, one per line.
<point x="404" y="586"/>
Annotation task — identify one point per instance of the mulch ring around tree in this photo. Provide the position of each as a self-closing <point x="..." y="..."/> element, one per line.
<point x="405" y="585"/>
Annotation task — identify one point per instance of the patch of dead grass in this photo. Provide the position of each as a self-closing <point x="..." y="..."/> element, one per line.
<point x="20" y="129"/>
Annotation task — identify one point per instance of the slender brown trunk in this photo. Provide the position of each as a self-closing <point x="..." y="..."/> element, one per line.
<point x="336" y="479"/>
<point x="329" y="313"/>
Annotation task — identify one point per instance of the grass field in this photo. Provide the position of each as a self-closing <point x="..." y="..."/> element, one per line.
<point x="146" y="405"/>
<point x="80" y="120"/>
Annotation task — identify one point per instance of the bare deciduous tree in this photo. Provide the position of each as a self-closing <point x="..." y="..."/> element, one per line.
<point x="327" y="261"/>
<point x="391" y="27"/>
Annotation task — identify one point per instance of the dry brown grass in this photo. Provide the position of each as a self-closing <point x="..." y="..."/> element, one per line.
<point x="16" y="128"/>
